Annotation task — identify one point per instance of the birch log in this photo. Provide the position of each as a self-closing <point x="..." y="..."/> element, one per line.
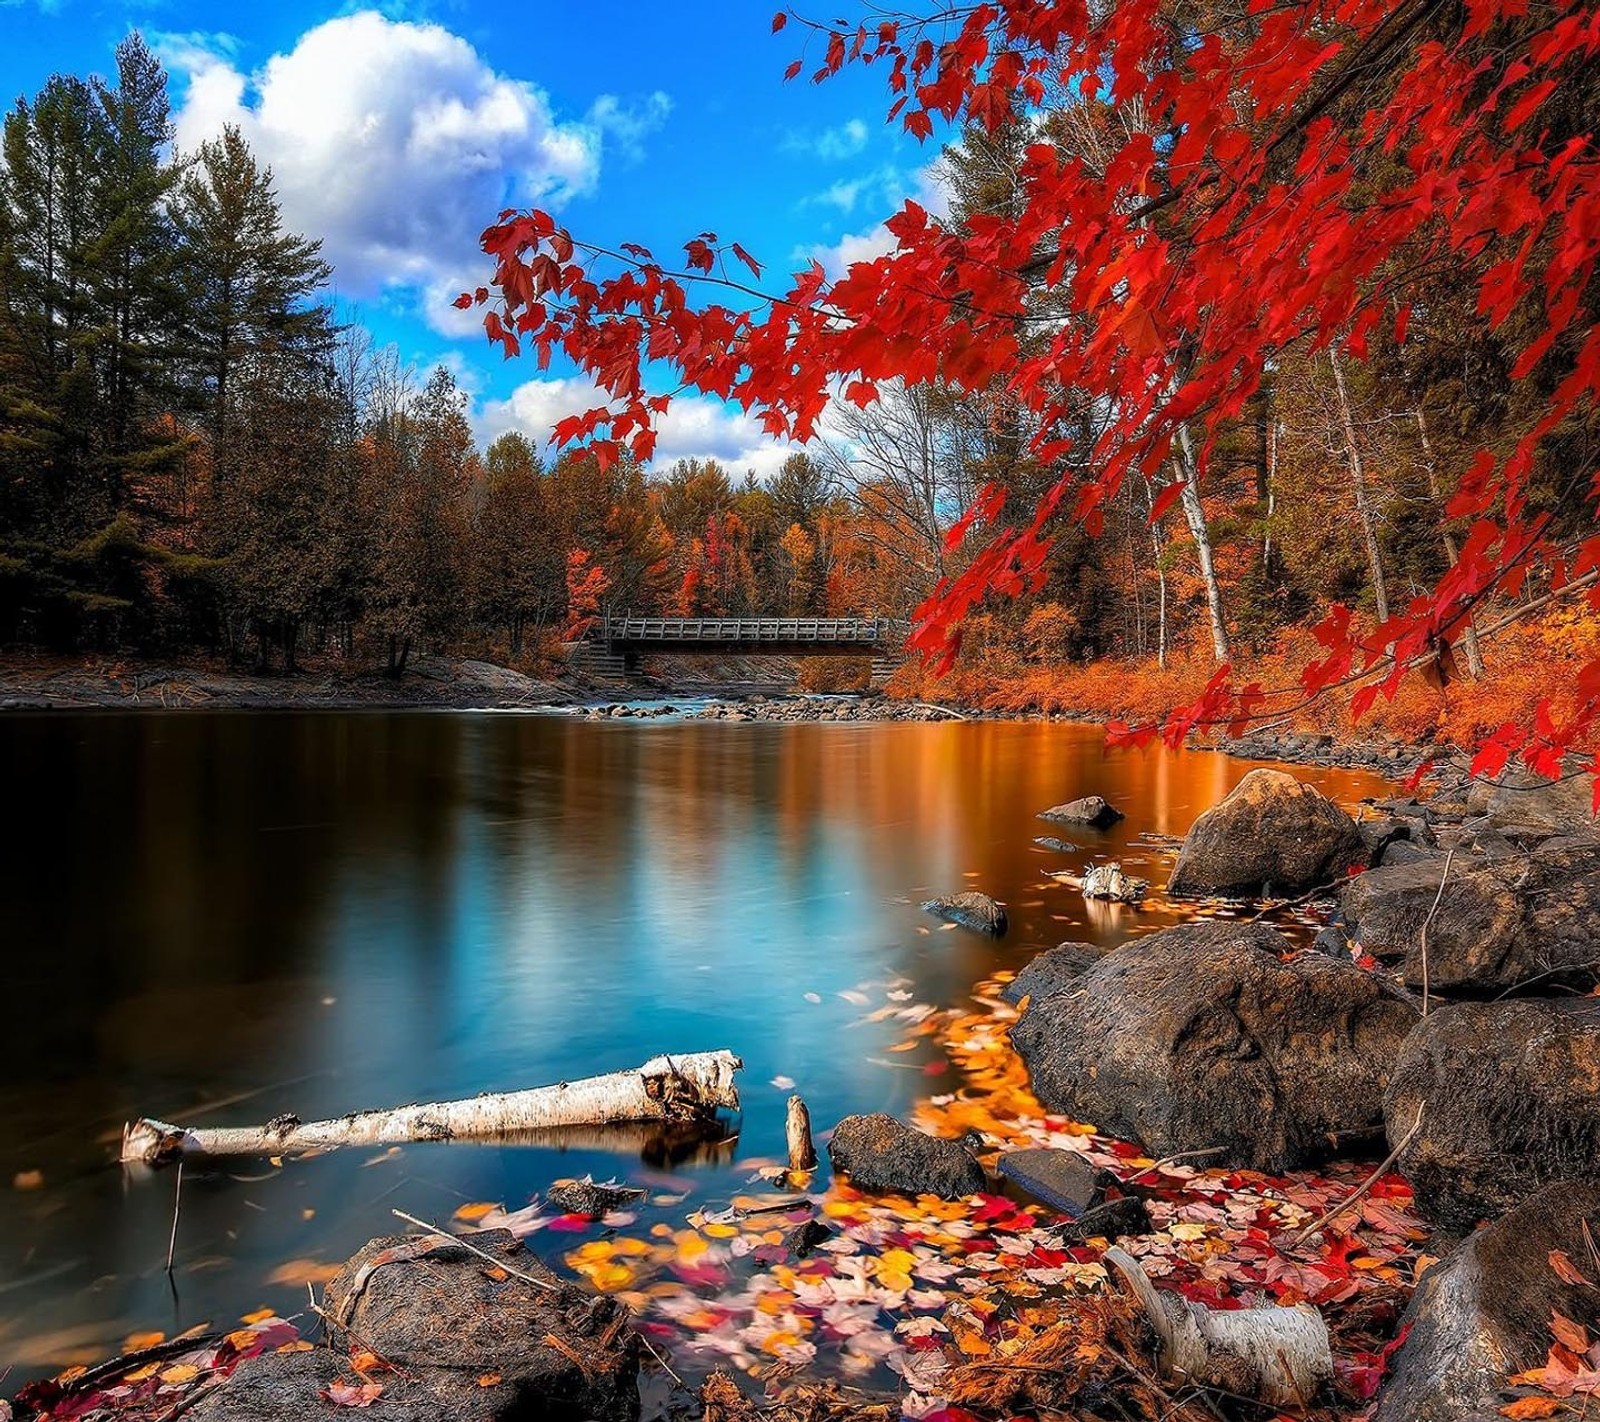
<point x="685" y="1088"/>
<point x="1280" y="1355"/>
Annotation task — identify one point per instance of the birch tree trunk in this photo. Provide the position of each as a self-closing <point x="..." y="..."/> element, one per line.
<point x="1358" y="477"/>
<point x="1469" y="635"/>
<point x="663" y="1089"/>
<point x="1195" y="513"/>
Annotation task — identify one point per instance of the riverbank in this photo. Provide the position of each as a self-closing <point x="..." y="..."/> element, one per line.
<point x="762" y="692"/>
<point x="973" y="1261"/>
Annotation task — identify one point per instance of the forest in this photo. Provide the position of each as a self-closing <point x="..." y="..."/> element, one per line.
<point x="199" y="459"/>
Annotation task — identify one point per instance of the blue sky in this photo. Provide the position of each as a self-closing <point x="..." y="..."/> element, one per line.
<point x="397" y="132"/>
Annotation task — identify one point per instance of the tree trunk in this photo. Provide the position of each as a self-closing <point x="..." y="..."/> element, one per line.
<point x="1358" y="477"/>
<point x="1195" y="513"/>
<point x="684" y="1088"/>
<point x="1469" y="634"/>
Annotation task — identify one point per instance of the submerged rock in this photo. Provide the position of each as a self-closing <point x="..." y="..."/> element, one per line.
<point x="1091" y="810"/>
<point x="1526" y="921"/>
<point x="971" y="910"/>
<point x="434" y="1311"/>
<point x="1202" y="1036"/>
<point x="1508" y="1100"/>
<point x="881" y="1155"/>
<point x="1273" y="832"/>
<point x="1484" y="1313"/>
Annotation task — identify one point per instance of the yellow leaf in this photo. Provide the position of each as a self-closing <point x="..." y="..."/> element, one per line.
<point x="179" y="1373"/>
<point x="298" y="1346"/>
<point x="138" y="1375"/>
<point x="261" y="1315"/>
<point x="136" y="1342"/>
<point x="475" y="1211"/>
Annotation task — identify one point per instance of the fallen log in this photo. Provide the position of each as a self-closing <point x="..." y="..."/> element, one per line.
<point x="1281" y="1356"/>
<point x="688" y="1088"/>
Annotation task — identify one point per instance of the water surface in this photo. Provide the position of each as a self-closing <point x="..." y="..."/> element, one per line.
<point x="216" y="918"/>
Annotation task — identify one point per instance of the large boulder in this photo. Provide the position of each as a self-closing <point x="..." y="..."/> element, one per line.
<point x="881" y="1155"/>
<point x="1273" y="832"/>
<point x="971" y="910"/>
<point x="1484" y="1313"/>
<point x="1526" y="921"/>
<point x="1201" y="1036"/>
<point x="463" y="1338"/>
<point x="1524" y="804"/>
<point x="1055" y="970"/>
<point x="1508" y="1095"/>
<point x="1090" y="810"/>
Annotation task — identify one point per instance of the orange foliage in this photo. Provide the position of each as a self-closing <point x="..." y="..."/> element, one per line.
<point x="1526" y="663"/>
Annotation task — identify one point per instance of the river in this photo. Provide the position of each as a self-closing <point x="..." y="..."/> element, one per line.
<point x="217" y="918"/>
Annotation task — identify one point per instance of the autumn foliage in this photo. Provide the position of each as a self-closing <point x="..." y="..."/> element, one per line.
<point x="1237" y="186"/>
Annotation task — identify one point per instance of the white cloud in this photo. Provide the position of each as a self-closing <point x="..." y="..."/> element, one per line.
<point x="876" y="241"/>
<point x="694" y="427"/>
<point x="396" y="143"/>
<point x="833" y="144"/>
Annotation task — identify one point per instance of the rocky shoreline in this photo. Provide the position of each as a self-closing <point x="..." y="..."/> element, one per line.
<point x="1240" y="1084"/>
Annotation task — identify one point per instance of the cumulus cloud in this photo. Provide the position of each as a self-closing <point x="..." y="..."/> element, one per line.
<point x="833" y="144"/>
<point x="923" y="185"/>
<point x="693" y="428"/>
<point x="395" y="142"/>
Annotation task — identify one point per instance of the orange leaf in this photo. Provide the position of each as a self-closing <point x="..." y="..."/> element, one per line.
<point x="1525" y="1407"/>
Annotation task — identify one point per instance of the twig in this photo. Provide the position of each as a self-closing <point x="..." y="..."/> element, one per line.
<point x="481" y="1253"/>
<point x="183" y="1404"/>
<point x="177" y="1203"/>
<point x="666" y="1367"/>
<point x="1174" y="1159"/>
<point x="1322" y="891"/>
<point x="1427" y="923"/>
<point x="1383" y="1169"/>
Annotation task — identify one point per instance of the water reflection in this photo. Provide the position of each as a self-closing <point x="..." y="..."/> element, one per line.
<point x="221" y="917"/>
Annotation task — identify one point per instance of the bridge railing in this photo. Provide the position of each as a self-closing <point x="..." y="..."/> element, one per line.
<point x="856" y="631"/>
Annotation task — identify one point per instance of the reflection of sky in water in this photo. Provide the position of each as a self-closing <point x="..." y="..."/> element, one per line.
<point x="237" y="915"/>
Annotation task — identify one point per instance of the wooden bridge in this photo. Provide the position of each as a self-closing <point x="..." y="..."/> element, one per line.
<point x="614" y="645"/>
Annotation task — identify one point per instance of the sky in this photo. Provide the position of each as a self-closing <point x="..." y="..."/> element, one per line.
<point x="397" y="133"/>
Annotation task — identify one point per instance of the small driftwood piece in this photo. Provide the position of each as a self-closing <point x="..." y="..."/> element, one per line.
<point x="1279" y="1355"/>
<point x="687" y="1088"/>
<point x="802" y="1153"/>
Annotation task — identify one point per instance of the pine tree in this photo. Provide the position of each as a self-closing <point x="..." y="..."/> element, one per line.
<point x="249" y="285"/>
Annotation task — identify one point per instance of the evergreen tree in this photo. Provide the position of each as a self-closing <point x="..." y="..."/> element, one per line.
<point x="248" y="284"/>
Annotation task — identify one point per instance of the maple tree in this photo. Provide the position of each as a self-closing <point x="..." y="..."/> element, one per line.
<point x="1265" y="180"/>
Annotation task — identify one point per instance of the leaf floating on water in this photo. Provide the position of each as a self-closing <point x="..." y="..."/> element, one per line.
<point x="476" y="1211"/>
<point x="297" y="1273"/>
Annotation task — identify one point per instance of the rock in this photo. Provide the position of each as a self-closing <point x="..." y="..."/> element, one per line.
<point x="1060" y="846"/>
<point x="805" y="1237"/>
<point x="971" y="910"/>
<point x="592" y="1201"/>
<point x="1531" y="802"/>
<point x="1054" y="970"/>
<point x="1405" y="851"/>
<point x="1377" y="835"/>
<point x="882" y="1156"/>
<point x="1509" y="1102"/>
<point x="1111" y="1219"/>
<point x="1201" y="1036"/>
<point x="1484" y="1312"/>
<point x="1063" y="1179"/>
<point x="1331" y="941"/>
<point x="1091" y="810"/>
<point x="441" y="1317"/>
<point x="1525" y="921"/>
<point x="1272" y="831"/>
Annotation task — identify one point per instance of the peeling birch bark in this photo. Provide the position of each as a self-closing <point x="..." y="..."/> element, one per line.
<point x="688" y="1088"/>
<point x="1280" y="1355"/>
